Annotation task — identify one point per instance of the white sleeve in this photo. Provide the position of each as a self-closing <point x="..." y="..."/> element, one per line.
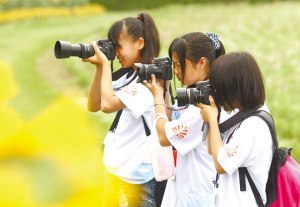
<point x="185" y="134"/>
<point x="136" y="97"/>
<point x="240" y="151"/>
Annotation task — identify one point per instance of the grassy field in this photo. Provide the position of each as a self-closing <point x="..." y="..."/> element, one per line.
<point x="50" y="144"/>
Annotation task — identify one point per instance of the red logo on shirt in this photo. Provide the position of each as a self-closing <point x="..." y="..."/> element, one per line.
<point x="130" y="89"/>
<point x="231" y="151"/>
<point x="180" y="131"/>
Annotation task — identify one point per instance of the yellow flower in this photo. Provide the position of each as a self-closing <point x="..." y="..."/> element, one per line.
<point x="8" y="87"/>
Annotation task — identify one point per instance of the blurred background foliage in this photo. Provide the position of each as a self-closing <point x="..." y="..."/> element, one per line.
<point x="115" y="4"/>
<point x="50" y="145"/>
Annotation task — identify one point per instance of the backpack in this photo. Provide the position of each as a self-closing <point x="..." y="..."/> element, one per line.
<point x="283" y="184"/>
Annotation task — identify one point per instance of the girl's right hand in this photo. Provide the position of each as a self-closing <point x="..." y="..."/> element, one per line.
<point x="154" y="86"/>
<point x="210" y="112"/>
<point x="99" y="59"/>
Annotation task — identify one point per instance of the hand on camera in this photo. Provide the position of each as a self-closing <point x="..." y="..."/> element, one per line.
<point x="210" y="112"/>
<point x="99" y="59"/>
<point x="154" y="86"/>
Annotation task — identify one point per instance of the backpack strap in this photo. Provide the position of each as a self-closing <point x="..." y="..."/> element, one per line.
<point x="147" y="130"/>
<point x="119" y="73"/>
<point x="235" y="119"/>
<point x="115" y="76"/>
<point x="116" y="121"/>
<point x="243" y="171"/>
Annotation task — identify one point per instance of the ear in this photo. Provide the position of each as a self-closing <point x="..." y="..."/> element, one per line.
<point x="141" y="43"/>
<point x="203" y="62"/>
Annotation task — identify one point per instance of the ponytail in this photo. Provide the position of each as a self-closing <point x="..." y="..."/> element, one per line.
<point x="141" y="26"/>
<point x="151" y="38"/>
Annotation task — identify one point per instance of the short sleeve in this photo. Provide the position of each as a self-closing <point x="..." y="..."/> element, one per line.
<point x="136" y="97"/>
<point x="240" y="151"/>
<point x="185" y="134"/>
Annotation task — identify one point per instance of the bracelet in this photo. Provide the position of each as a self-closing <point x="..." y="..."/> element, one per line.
<point x="160" y="116"/>
<point x="160" y="105"/>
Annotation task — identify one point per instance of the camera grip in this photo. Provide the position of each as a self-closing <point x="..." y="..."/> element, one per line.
<point x="205" y="129"/>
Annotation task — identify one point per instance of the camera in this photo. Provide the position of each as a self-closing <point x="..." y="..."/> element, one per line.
<point x="65" y="49"/>
<point x="199" y="94"/>
<point x="161" y="68"/>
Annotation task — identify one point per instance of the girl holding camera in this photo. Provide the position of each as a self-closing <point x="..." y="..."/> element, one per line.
<point x="126" y="158"/>
<point x="192" y="55"/>
<point x="238" y="82"/>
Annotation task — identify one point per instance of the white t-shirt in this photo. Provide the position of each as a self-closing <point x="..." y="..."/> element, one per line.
<point x="250" y="146"/>
<point x="195" y="169"/>
<point x="125" y="152"/>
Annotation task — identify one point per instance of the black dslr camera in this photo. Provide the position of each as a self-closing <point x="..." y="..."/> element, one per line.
<point x="64" y="49"/>
<point x="161" y="68"/>
<point x="200" y="94"/>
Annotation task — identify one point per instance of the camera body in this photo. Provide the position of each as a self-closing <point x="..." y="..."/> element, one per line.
<point x="161" y="68"/>
<point x="63" y="49"/>
<point x="193" y="96"/>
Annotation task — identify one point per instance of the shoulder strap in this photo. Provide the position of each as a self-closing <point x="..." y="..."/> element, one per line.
<point x="115" y="76"/>
<point x="116" y="121"/>
<point x="243" y="172"/>
<point x="235" y="119"/>
<point x="147" y="130"/>
<point x="119" y="73"/>
<point x="270" y="122"/>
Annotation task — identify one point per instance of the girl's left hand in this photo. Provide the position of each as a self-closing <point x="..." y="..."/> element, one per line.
<point x="154" y="86"/>
<point x="210" y="112"/>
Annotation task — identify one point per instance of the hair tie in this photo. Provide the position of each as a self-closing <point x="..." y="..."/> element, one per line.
<point x="140" y="17"/>
<point x="214" y="38"/>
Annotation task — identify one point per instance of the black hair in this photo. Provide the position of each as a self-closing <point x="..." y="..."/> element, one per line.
<point x="238" y="81"/>
<point x="136" y="27"/>
<point x="193" y="46"/>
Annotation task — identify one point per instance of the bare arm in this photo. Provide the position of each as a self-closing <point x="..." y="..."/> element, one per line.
<point x="160" y="108"/>
<point x="94" y="96"/>
<point x="208" y="144"/>
<point x="109" y="102"/>
<point x="101" y="95"/>
<point x="209" y="114"/>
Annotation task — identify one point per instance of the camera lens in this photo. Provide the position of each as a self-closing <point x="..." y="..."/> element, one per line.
<point x="145" y="71"/>
<point x="64" y="49"/>
<point x="182" y="97"/>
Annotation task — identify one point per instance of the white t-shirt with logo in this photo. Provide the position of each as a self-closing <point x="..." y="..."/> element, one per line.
<point x="125" y="152"/>
<point x="250" y="146"/>
<point x="195" y="170"/>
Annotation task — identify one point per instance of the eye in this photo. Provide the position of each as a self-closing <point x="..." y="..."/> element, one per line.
<point x="175" y="64"/>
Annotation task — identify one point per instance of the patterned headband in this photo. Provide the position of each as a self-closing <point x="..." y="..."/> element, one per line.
<point x="214" y="39"/>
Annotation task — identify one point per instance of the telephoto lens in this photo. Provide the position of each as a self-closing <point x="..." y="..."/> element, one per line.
<point x="64" y="49"/>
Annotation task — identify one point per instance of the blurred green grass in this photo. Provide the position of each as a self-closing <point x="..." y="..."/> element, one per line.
<point x="45" y="124"/>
